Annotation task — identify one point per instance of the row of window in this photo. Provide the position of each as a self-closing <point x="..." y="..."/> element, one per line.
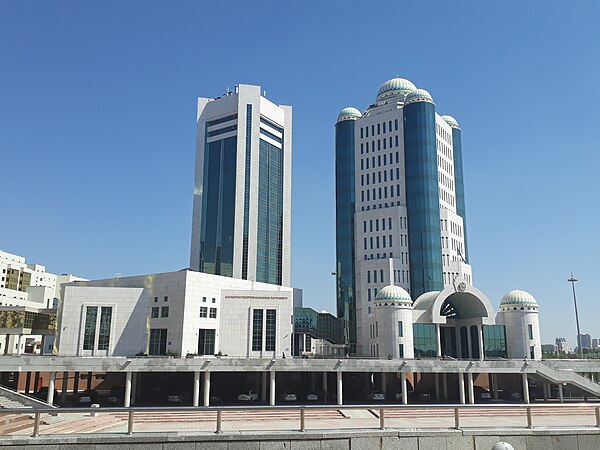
<point x="269" y="329"/>
<point x="377" y="256"/>
<point x="381" y="205"/>
<point x="164" y="312"/>
<point x="454" y="227"/>
<point x="444" y="149"/>
<point x="377" y="241"/>
<point x="445" y="165"/>
<point x="374" y="330"/>
<point x="444" y="134"/>
<point x="372" y="162"/>
<point x="445" y="180"/>
<point x="367" y="179"/>
<point x="212" y="312"/>
<point x="387" y="143"/>
<point x="364" y="131"/>
<point x="165" y="298"/>
<point x="383" y="194"/>
<point x="376" y="222"/>
<point x="401" y="276"/>
<point x="446" y="197"/>
<point x="381" y="279"/>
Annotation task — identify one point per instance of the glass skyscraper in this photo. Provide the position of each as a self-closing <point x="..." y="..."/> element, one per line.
<point x="400" y="207"/>
<point x="242" y="187"/>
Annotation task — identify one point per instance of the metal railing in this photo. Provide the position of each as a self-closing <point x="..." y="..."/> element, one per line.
<point x="528" y="412"/>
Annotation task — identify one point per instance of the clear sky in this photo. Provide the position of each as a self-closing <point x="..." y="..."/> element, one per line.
<point x="98" y="108"/>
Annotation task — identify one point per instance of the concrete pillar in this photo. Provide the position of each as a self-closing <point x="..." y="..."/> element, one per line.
<point x="546" y="391"/>
<point x="436" y="377"/>
<point x="28" y="383"/>
<point x="438" y="332"/>
<point x="404" y="388"/>
<point x="206" y="393"/>
<point x="480" y="339"/>
<point x="36" y="382"/>
<point x="127" y="396"/>
<point x="325" y="382"/>
<point x="525" y="387"/>
<point x="461" y="388"/>
<point x="561" y="397"/>
<point x="469" y="344"/>
<point x="384" y="383"/>
<point x="75" y="382"/>
<point x="89" y="380"/>
<point x="65" y="383"/>
<point x="340" y="387"/>
<point x="19" y="344"/>
<point x="471" y="388"/>
<point x="51" y="381"/>
<point x="459" y="349"/>
<point x="196" y="389"/>
<point x="263" y="391"/>
<point x="445" y="386"/>
<point x="134" y="387"/>
<point x="272" y="389"/>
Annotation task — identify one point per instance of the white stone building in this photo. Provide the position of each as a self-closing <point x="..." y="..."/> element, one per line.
<point x="179" y="313"/>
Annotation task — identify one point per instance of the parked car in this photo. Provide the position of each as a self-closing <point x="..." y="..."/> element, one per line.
<point x="86" y="397"/>
<point x="250" y="396"/>
<point x="179" y="397"/>
<point x="312" y="397"/>
<point x="42" y="394"/>
<point x="116" y="396"/>
<point x="289" y="396"/>
<point x="482" y="394"/>
<point x="377" y="396"/>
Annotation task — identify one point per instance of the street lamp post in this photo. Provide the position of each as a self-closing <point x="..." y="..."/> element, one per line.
<point x="572" y="280"/>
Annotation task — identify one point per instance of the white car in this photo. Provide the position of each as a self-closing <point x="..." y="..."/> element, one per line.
<point x="249" y="396"/>
<point x="312" y="397"/>
<point x="376" y="395"/>
<point x="290" y="396"/>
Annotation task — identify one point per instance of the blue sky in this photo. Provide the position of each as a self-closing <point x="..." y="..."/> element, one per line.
<point x="97" y="128"/>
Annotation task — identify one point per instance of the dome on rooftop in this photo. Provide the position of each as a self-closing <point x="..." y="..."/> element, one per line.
<point x="451" y="121"/>
<point x="518" y="299"/>
<point x="393" y="295"/>
<point x="349" y="113"/>
<point x="418" y="95"/>
<point x="393" y="87"/>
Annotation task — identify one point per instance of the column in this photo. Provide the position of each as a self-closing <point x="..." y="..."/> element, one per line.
<point x="19" y="343"/>
<point x="206" y="392"/>
<point x="134" y="387"/>
<point x="196" y="391"/>
<point x="438" y="330"/>
<point x="50" y="398"/>
<point x="75" y="383"/>
<point x="339" y="388"/>
<point x="272" y="389"/>
<point x="436" y="377"/>
<point x="65" y="383"/>
<point x="459" y="349"/>
<point x="480" y="336"/>
<point x="404" y="388"/>
<point x="461" y="388"/>
<point x="445" y="386"/>
<point x="383" y="383"/>
<point x="127" y="396"/>
<point x="263" y="391"/>
<point x="36" y="382"/>
<point x="325" y="382"/>
<point x="313" y="381"/>
<point x="561" y="397"/>
<point x="469" y="353"/>
<point x="546" y="391"/>
<point x="28" y="382"/>
<point x="470" y="387"/>
<point x="89" y="380"/>
<point x="525" y="388"/>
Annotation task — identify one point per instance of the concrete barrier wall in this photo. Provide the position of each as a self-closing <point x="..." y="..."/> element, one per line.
<point x="587" y="439"/>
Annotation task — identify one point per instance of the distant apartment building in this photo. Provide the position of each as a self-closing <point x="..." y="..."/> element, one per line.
<point x="595" y="344"/>
<point x="585" y="340"/>
<point x="562" y="346"/>
<point x="549" y="348"/>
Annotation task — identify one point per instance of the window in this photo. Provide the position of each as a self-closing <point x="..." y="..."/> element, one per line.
<point x="494" y="341"/>
<point x="203" y="299"/>
<point x="104" y="329"/>
<point x="166" y="298"/>
<point x="214" y="300"/>
<point x="213" y="313"/>
<point x="530" y="330"/>
<point x="401" y="351"/>
<point x="155" y="299"/>
<point x="257" y="330"/>
<point x="270" y="330"/>
<point x="203" y="311"/>
<point x="206" y="341"/>
<point x="164" y="311"/>
<point x="425" y="340"/>
<point x="155" y="311"/>
<point x="89" y="332"/>
<point x="400" y="332"/>
<point x="158" y="341"/>
<point x="396" y="127"/>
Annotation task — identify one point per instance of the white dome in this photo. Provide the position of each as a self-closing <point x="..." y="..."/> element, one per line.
<point x="393" y="87"/>
<point x="451" y="121"/>
<point x="502" y="446"/>
<point x="393" y="294"/>
<point x="518" y="299"/>
<point x="349" y="113"/>
<point x="418" y="95"/>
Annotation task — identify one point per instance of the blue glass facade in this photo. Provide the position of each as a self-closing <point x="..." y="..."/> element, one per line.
<point x="422" y="198"/>
<point x="459" y="184"/>
<point x="270" y="214"/>
<point x="344" y="193"/>
<point x="218" y="204"/>
<point x="247" y="190"/>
